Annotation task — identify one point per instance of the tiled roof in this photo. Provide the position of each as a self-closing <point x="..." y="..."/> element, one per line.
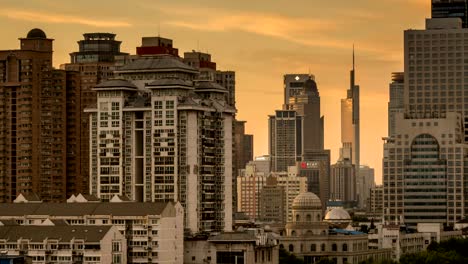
<point x="63" y="233"/>
<point x="170" y="82"/>
<point x="80" y="209"/>
<point x="116" y="83"/>
<point x="156" y="63"/>
<point x="207" y="85"/>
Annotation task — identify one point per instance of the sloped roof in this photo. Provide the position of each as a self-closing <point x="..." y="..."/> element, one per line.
<point x="80" y="209"/>
<point x="63" y="232"/>
<point x="209" y="86"/>
<point x="170" y="82"/>
<point x="156" y="63"/>
<point x="115" y="84"/>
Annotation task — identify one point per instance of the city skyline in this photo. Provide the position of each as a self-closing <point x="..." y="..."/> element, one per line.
<point x="295" y="40"/>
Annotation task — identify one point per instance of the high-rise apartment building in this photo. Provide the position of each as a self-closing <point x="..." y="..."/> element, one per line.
<point x="423" y="164"/>
<point x="293" y="185"/>
<point x="207" y="68"/>
<point x="159" y="135"/>
<point x="375" y="201"/>
<point x="94" y="61"/>
<point x="38" y="114"/>
<point x="396" y="100"/>
<point x="450" y="8"/>
<point x="286" y="139"/>
<point x="273" y="202"/>
<point x="262" y="164"/>
<point x="250" y="183"/>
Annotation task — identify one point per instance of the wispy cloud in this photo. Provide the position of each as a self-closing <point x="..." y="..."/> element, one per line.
<point x="273" y="25"/>
<point x="312" y="32"/>
<point x="36" y="16"/>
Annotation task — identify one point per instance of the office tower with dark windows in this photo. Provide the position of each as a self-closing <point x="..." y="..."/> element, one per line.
<point x="286" y="139"/>
<point x="306" y="102"/>
<point x="343" y="182"/>
<point x="94" y="61"/>
<point x="450" y="8"/>
<point x="243" y="145"/>
<point x="293" y="85"/>
<point x="306" y="138"/>
<point x="38" y="114"/>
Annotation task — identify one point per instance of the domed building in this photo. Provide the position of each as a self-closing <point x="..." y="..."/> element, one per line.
<point x="311" y="237"/>
<point x="307" y="216"/>
<point x="36" y="33"/>
<point x="338" y="218"/>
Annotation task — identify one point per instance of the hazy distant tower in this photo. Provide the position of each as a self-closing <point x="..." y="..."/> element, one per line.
<point x="350" y="123"/>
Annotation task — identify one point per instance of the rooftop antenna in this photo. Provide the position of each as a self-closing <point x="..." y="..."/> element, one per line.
<point x="159" y="29"/>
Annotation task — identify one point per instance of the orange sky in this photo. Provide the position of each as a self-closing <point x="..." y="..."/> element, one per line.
<point x="259" y="39"/>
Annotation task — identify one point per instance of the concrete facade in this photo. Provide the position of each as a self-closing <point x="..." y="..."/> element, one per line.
<point x="153" y="231"/>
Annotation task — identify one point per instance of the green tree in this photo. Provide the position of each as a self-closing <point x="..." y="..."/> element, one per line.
<point x="287" y="258"/>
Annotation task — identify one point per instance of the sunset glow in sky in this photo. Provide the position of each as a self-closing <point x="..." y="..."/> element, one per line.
<point x="259" y="39"/>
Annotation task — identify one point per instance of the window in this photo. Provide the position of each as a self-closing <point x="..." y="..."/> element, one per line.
<point x="291" y="248"/>
<point x="116" y="246"/>
<point x="115" y="106"/>
<point x="345" y="247"/>
<point x="169" y="104"/>
<point x="170" y="114"/>
<point x="116" y="258"/>
<point x="313" y="247"/>
<point x="158" y="114"/>
<point x="334" y="247"/>
<point x="157" y="104"/>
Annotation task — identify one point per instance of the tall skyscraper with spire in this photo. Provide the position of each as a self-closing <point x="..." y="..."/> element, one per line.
<point x="350" y="123"/>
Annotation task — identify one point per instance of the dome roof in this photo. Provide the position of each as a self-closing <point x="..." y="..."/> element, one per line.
<point x="337" y="214"/>
<point x="36" y="33"/>
<point x="338" y="217"/>
<point x="307" y="200"/>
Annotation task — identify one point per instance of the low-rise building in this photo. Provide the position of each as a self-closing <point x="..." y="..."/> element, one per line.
<point x="241" y="247"/>
<point x="311" y="239"/>
<point x="154" y="231"/>
<point x="402" y="240"/>
<point x="64" y="243"/>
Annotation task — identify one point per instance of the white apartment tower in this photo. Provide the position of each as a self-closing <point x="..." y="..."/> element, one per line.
<point x="158" y="135"/>
<point x="424" y="174"/>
